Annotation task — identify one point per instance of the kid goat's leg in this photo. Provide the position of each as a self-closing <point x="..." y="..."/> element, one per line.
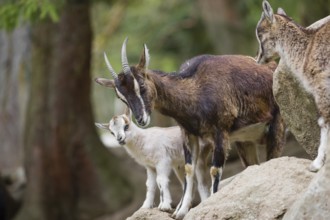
<point x="151" y="188"/>
<point x="163" y="172"/>
<point x="219" y="156"/>
<point x="191" y="151"/>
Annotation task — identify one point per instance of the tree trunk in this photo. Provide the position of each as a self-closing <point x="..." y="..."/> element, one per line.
<point x="70" y="174"/>
<point x="225" y="26"/>
<point x="13" y="47"/>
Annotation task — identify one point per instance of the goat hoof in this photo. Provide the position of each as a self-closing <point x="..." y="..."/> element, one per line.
<point x="178" y="215"/>
<point x="315" y="166"/>
<point x="165" y="207"/>
<point x="146" y="206"/>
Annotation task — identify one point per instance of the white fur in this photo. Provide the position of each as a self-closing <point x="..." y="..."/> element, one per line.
<point x="319" y="161"/>
<point x="159" y="150"/>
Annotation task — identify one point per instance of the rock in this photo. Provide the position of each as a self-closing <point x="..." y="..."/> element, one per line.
<point x="298" y="110"/>
<point x="263" y="191"/>
<point x="149" y="214"/>
<point x="315" y="202"/>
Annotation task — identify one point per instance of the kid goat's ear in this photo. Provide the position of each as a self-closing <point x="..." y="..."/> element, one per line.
<point x="145" y="58"/>
<point x="268" y="11"/>
<point x="105" y="82"/>
<point x="102" y="126"/>
<point x="128" y="112"/>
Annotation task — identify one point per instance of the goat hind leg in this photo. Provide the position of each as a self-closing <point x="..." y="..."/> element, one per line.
<point x="248" y="153"/>
<point x="275" y="137"/>
<point x="221" y="144"/>
<point x="203" y="179"/>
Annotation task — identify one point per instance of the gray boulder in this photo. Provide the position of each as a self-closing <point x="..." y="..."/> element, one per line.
<point x="150" y="214"/>
<point x="298" y="110"/>
<point x="315" y="202"/>
<point x="263" y="191"/>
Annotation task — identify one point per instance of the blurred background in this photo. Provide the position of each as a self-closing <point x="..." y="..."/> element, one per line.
<point x="53" y="163"/>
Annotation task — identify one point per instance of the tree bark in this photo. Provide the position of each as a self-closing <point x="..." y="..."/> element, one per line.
<point x="70" y="174"/>
<point x="225" y="26"/>
<point x="13" y="48"/>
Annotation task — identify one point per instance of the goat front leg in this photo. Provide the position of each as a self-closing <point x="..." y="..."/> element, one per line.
<point x="221" y="143"/>
<point x="191" y="151"/>
<point x="163" y="172"/>
<point x="319" y="161"/>
<point x="151" y="188"/>
<point x="322" y="100"/>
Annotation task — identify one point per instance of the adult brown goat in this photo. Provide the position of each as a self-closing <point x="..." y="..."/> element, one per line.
<point x="210" y="97"/>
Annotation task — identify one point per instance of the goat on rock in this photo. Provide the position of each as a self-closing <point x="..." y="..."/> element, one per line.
<point x="159" y="150"/>
<point x="305" y="52"/>
<point x="210" y="97"/>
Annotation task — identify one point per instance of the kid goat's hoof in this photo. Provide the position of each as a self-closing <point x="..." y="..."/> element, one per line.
<point x="165" y="207"/>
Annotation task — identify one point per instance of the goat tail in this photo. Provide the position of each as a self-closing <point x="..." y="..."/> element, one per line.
<point x="275" y="136"/>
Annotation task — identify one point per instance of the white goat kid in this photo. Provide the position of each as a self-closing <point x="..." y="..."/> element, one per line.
<point x="159" y="150"/>
<point x="305" y="52"/>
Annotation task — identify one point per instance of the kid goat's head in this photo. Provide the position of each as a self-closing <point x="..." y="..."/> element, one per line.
<point x="130" y="85"/>
<point x="267" y="31"/>
<point x="118" y="126"/>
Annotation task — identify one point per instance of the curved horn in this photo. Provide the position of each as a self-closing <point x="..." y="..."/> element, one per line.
<point x="124" y="61"/>
<point x="147" y="56"/>
<point x="113" y="73"/>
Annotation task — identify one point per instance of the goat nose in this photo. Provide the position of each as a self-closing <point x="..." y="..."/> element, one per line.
<point x="121" y="139"/>
<point x="140" y="121"/>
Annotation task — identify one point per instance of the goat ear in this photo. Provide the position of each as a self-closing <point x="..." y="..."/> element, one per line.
<point x="280" y="11"/>
<point x="268" y="11"/>
<point x="145" y="58"/>
<point x="128" y="112"/>
<point x="105" y="82"/>
<point x="102" y="126"/>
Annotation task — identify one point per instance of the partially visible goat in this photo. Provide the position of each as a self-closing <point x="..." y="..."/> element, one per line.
<point x="209" y="98"/>
<point x="159" y="150"/>
<point x="306" y="53"/>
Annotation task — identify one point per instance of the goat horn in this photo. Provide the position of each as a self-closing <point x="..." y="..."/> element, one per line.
<point x="124" y="61"/>
<point x="113" y="73"/>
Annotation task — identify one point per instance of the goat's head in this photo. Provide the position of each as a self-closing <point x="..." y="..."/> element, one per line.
<point x="130" y="85"/>
<point x="267" y="33"/>
<point x="118" y="126"/>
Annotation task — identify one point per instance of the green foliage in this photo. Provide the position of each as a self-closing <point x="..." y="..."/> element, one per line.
<point x="176" y="30"/>
<point x="14" y="12"/>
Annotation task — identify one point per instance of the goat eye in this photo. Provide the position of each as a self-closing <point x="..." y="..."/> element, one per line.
<point x="126" y="128"/>
<point x="112" y="133"/>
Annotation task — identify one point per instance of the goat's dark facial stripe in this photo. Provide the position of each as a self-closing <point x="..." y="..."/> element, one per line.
<point x="121" y="96"/>
<point x="128" y="90"/>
